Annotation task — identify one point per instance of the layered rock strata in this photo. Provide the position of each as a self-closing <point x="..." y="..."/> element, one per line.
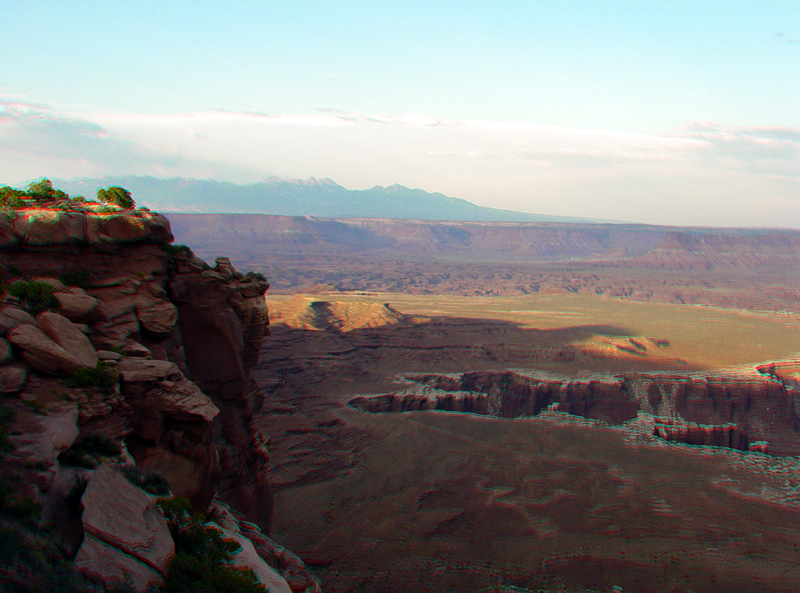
<point x="757" y="410"/>
<point x="152" y="352"/>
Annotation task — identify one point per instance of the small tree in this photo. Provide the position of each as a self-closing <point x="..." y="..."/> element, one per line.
<point x="35" y="297"/>
<point x="43" y="190"/>
<point x="116" y="195"/>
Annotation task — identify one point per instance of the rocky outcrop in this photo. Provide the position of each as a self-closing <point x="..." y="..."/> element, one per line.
<point x="125" y="533"/>
<point x="40" y="352"/>
<point x="171" y="427"/>
<point x="67" y="335"/>
<point x="176" y="339"/>
<point x="734" y="410"/>
<point x="222" y="319"/>
<point x="291" y="569"/>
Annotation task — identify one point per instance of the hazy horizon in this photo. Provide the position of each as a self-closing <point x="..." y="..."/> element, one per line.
<point x="661" y="113"/>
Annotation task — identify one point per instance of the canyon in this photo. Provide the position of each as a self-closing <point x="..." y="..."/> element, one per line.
<point x="416" y="406"/>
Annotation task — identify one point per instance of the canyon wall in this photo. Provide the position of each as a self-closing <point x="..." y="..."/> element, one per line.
<point x="757" y="410"/>
<point x="164" y="344"/>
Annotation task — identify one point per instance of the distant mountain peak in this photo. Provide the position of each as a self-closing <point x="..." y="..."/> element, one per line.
<point x="321" y="198"/>
<point x="310" y="182"/>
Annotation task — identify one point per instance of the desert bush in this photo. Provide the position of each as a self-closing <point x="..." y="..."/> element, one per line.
<point x="78" y="279"/>
<point x="181" y="251"/>
<point x="35" y="297"/>
<point x="101" y="376"/>
<point x="201" y="555"/>
<point x="43" y="190"/>
<point x="116" y="195"/>
<point x="88" y="450"/>
<point x="150" y="482"/>
<point x="11" y="198"/>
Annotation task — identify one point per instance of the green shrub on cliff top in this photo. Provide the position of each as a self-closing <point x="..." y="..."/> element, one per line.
<point x="11" y="198"/>
<point x="116" y="195"/>
<point x="201" y="555"/>
<point x="35" y="297"/>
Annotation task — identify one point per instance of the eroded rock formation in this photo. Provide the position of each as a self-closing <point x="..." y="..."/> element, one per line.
<point x="757" y="410"/>
<point x="152" y="352"/>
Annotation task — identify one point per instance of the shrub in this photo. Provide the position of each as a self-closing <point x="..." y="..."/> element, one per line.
<point x="43" y="190"/>
<point x="116" y="195"/>
<point x="151" y="482"/>
<point x="101" y="376"/>
<point x="87" y="450"/>
<point x="79" y="279"/>
<point x="181" y="251"/>
<point x="11" y="198"/>
<point x="35" y="297"/>
<point x="201" y="555"/>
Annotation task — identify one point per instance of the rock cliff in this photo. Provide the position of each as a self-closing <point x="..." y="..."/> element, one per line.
<point x="747" y="410"/>
<point x="147" y="349"/>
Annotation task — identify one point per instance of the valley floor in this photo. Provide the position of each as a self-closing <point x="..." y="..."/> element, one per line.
<point x="435" y="501"/>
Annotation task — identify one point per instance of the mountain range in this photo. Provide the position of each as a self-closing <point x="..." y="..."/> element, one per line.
<point x="294" y="197"/>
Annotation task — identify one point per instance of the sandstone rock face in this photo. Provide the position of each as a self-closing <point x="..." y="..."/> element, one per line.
<point x="45" y="227"/>
<point x="723" y="410"/>
<point x="76" y="305"/>
<point x="125" y="533"/>
<point x="11" y="317"/>
<point x="43" y="437"/>
<point x="172" y="426"/>
<point x="12" y="378"/>
<point x="143" y="303"/>
<point x="42" y="353"/>
<point x="64" y="333"/>
<point x="156" y="317"/>
<point x="49" y="227"/>
<point x="222" y="322"/>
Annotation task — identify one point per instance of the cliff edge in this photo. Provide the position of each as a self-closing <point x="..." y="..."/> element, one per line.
<point x="124" y="370"/>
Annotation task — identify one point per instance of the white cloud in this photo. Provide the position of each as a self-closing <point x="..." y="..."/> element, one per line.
<point x="703" y="174"/>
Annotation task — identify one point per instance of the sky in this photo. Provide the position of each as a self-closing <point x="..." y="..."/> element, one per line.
<point x="645" y="111"/>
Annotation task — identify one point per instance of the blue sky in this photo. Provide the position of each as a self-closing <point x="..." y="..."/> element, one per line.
<point x="662" y="112"/>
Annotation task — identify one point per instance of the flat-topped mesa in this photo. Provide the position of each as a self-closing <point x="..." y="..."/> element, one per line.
<point x="757" y="410"/>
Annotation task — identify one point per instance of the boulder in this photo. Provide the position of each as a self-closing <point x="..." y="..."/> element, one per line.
<point x="5" y="351"/>
<point x="156" y="317"/>
<point x="11" y="317"/>
<point x="39" y="439"/>
<point x="162" y="386"/>
<point x="55" y="283"/>
<point x="108" y="355"/>
<point x="64" y="333"/>
<point x="49" y="227"/>
<point x="12" y="378"/>
<point x="8" y="238"/>
<point x="76" y="305"/>
<point x="42" y="353"/>
<point x="134" y="349"/>
<point x="247" y="557"/>
<point x="125" y="533"/>
<point x="172" y="422"/>
<point x="127" y="227"/>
